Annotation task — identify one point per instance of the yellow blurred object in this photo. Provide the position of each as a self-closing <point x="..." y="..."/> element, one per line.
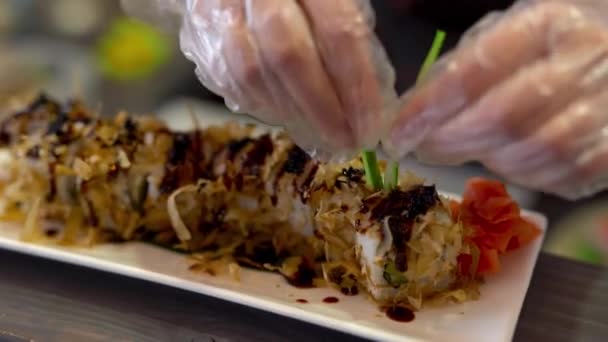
<point x="132" y="50"/>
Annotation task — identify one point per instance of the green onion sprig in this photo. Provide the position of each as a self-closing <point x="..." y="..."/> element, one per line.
<point x="391" y="176"/>
<point x="372" y="171"/>
<point x="370" y="162"/>
<point x="432" y="55"/>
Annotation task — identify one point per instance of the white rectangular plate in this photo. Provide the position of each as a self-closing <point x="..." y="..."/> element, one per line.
<point x="491" y="318"/>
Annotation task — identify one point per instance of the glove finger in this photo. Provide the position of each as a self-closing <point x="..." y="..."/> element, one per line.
<point x="518" y="106"/>
<point x="215" y="36"/>
<point x="566" y="156"/>
<point x="202" y="39"/>
<point x="289" y="53"/>
<point x="248" y="92"/>
<point x="519" y="38"/>
<point x="356" y="63"/>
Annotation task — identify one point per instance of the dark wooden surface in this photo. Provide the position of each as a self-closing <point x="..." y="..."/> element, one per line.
<point x="43" y="300"/>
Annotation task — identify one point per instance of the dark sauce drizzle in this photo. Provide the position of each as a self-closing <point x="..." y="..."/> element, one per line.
<point x="178" y="151"/>
<point x="399" y="313"/>
<point x="235" y="146"/>
<point x="256" y="156"/>
<point x="330" y="300"/>
<point x="304" y="188"/>
<point x="303" y="278"/>
<point x="353" y="175"/>
<point x="296" y="161"/>
<point x="402" y="208"/>
<point x="407" y="204"/>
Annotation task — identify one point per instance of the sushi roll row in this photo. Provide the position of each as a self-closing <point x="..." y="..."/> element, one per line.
<point x="70" y="176"/>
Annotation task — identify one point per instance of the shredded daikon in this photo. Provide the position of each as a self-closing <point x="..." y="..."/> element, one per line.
<point x="82" y="169"/>
<point x="31" y="225"/>
<point x="235" y="271"/>
<point x="176" y="220"/>
<point x="123" y="159"/>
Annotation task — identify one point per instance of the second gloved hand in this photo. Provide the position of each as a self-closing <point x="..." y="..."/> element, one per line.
<point x="312" y="66"/>
<point x="525" y="93"/>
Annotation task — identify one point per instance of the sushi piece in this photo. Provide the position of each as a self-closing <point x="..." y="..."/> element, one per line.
<point x="400" y="246"/>
<point x="71" y="177"/>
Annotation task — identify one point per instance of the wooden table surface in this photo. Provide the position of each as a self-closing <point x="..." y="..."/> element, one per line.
<point x="43" y="300"/>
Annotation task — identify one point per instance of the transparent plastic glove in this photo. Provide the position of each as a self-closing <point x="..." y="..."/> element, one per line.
<point x="313" y="66"/>
<point x="525" y="93"/>
<point x="166" y="14"/>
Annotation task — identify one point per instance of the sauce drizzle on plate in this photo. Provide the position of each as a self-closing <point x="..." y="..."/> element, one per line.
<point x="330" y="300"/>
<point x="400" y="314"/>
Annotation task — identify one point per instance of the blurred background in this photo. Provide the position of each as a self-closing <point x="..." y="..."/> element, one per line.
<point x="89" y="49"/>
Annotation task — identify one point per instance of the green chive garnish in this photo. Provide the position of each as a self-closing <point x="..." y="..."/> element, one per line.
<point x="391" y="176"/>
<point x="433" y="54"/>
<point x="372" y="171"/>
<point x="370" y="163"/>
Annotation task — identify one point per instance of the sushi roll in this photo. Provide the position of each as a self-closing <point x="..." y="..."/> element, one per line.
<point x="72" y="177"/>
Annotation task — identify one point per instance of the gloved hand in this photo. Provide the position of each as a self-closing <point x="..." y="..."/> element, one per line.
<point x="313" y="66"/>
<point x="525" y="93"/>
